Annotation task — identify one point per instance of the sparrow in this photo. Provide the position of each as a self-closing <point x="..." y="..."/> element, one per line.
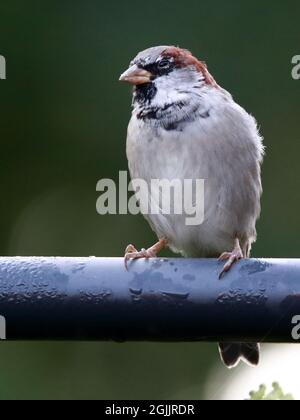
<point x="185" y="126"/>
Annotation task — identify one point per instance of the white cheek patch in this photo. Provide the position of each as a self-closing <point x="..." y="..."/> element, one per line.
<point x="166" y="96"/>
<point x="175" y="86"/>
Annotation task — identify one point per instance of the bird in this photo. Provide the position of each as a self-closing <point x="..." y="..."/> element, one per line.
<point x="184" y="125"/>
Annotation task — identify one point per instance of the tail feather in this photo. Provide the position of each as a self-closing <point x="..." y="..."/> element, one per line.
<point x="232" y="354"/>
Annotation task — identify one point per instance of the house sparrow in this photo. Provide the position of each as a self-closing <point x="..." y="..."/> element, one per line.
<point x="185" y="126"/>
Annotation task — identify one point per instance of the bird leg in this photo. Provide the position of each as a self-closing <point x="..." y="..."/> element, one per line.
<point x="131" y="252"/>
<point x="232" y="257"/>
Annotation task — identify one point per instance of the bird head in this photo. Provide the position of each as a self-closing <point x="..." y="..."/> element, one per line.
<point x="166" y="71"/>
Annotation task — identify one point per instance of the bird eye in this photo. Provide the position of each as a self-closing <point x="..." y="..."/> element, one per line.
<point x="164" y="63"/>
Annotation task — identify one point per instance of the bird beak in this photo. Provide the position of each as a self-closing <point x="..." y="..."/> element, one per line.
<point x="136" y="76"/>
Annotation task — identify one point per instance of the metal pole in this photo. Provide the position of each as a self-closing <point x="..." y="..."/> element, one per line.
<point x="157" y="300"/>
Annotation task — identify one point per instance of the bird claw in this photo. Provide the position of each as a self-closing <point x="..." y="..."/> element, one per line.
<point x="232" y="257"/>
<point x="131" y="253"/>
<point x="225" y="256"/>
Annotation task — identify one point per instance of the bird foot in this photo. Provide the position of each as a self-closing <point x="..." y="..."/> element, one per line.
<point x="232" y="257"/>
<point x="131" y="253"/>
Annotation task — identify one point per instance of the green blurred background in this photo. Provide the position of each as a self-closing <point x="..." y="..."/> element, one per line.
<point x="63" y="127"/>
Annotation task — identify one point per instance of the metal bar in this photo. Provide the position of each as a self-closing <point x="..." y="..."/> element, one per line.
<point x="159" y="300"/>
